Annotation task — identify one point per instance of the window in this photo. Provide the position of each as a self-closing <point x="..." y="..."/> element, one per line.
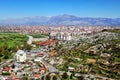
<point x="21" y="54"/>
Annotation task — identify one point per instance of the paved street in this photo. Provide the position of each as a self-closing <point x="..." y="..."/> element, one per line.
<point x="30" y="39"/>
<point x="50" y="67"/>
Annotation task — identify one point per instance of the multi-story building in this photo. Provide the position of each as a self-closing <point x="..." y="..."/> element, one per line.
<point x="20" y="56"/>
<point x="61" y="35"/>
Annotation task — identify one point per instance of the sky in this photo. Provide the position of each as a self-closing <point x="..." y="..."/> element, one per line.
<point x="81" y="8"/>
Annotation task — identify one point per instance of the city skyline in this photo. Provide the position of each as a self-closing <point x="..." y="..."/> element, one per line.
<point x="81" y="8"/>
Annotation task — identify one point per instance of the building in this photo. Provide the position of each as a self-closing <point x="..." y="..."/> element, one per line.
<point x="20" y="56"/>
<point x="6" y="69"/>
<point x="47" y="43"/>
<point x="61" y="36"/>
<point x="71" y="69"/>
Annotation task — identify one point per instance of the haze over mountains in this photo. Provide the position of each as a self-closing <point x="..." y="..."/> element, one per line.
<point x="63" y="20"/>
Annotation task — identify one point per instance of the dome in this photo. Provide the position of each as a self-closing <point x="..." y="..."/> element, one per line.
<point x="20" y="52"/>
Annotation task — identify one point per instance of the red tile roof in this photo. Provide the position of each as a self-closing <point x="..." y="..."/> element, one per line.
<point x="16" y="79"/>
<point x="36" y="75"/>
<point x="42" y="69"/>
<point x="49" y="42"/>
<point x="6" y="69"/>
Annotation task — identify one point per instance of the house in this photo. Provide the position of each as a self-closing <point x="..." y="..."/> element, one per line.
<point x="93" y="50"/>
<point x="71" y="69"/>
<point x="36" y="76"/>
<point x="9" y="78"/>
<point x="91" y="60"/>
<point x="20" y="56"/>
<point x="42" y="70"/>
<point x="16" y="79"/>
<point x="105" y="55"/>
<point x="52" y="53"/>
<point x="41" y="54"/>
<point x="38" y="59"/>
<point x="6" y="69"/>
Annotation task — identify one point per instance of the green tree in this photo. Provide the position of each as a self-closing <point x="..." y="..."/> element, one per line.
<point x="1" y="49"/>
<point x="65" y="76"/>
<point x="27" y="46"/>
<point x="81" y="78"/>
<point x="54" y="77"/>
<point x="48" y="77"/>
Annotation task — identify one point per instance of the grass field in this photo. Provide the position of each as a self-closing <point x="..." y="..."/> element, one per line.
<point x="12" y="39"/>
<point x="9" y="43"/>
<point x="39" y="35"/>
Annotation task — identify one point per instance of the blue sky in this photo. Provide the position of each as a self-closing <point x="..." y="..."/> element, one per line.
<point x="82" y="8"/>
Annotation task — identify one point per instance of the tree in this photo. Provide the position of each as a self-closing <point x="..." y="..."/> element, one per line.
<point x="42" y="78"/>
<point x="65" y="76"/>
<point x="71" y="76"/>
<point x="25" y="78"/>
<point x="6" y="54"/>
<point x="27" y="46"/>
<point x="48" y="77"/>
<point x="54" y="77"/>
<point x="81" y="78"/>
<point x="13" y="66"/>
<point x="1" y="49"/>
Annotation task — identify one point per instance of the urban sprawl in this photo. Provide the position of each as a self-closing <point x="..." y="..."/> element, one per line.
<point x="59" y="53"/>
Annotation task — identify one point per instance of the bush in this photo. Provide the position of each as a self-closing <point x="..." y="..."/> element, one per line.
<point x="117" y="59"/>
<point x="1" y="55"/>
<point x="6" y="73"/>
<point x="6" y="57"/>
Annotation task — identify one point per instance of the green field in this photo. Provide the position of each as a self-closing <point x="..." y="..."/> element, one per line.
<point x="9" y="43"/>
<point x="12" y="39"/>
<point x="39" y="35"/>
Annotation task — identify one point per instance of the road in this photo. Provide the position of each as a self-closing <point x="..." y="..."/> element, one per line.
<point x="30" y="39"/>
<point x="6" y="63"/>
<point x="50" y="67"/>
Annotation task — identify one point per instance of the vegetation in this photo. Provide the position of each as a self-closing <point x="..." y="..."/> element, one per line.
<point x="39" y="35"/>
<point x="6" y="73"/>
<point x="89" y="62"/>
<point x="112" y="30"/>
<point x="10" y="42"/>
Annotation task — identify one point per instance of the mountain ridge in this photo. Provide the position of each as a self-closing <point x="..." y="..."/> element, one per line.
<point x="64" y="19"/>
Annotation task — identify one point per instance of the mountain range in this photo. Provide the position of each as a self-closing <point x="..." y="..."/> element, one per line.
<point x="63" y="20"/>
